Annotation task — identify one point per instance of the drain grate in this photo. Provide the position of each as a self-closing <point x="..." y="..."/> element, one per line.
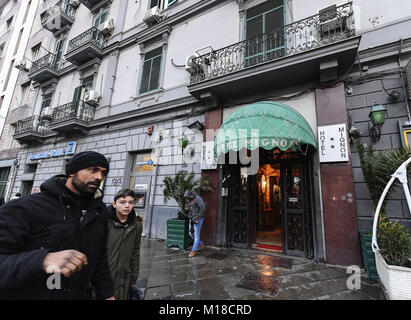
<point x="260" y="283"/>
<point x="217" y="256"/>
<point x="276" y="262"/>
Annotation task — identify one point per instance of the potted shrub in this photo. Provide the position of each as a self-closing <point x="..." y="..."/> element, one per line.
<point x="377" y="168"/>
<point x="174" y="188"/>
<point x="393" y="248"/>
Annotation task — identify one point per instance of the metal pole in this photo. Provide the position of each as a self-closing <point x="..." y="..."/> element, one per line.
<point x="152" y="195"/>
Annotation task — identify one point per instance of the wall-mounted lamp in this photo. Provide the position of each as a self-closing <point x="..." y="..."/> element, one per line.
<point x="196" y="125"/>
<point x="263" y="183"/>
<point x="182" y="142"/>
<point x="377" y="116"/>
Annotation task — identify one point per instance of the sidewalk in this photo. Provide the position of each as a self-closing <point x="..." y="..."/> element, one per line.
<point x="233" y="274"/>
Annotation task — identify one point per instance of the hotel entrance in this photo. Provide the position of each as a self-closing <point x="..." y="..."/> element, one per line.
<point x="271" y="209"/>
<point x="267" y="149"/>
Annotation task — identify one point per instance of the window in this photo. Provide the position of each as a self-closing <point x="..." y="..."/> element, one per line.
<point x="162" y="4"/>
<point x="58" y="52"/>
<point x="46" y="101"/>
<point x="35" y="52"/>
<point x="151" y="70"/>
<point x="6" y="82"/>
<point x="4" y="176"/>
<point x="27" y="11"/>
<point x="18" y="41"/>
<point x="25" y="89"/>
<point x="9" y="23"/>
<point x="266" y="18"/>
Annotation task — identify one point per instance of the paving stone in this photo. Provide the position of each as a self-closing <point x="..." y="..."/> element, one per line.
<point x="188" y="296"/>
<point x="181" y="269"/>
<point x="158" y="280"/>
<point x="185" y="287"/>
<point x="181" y="277"/>
<point x="205" y="273"/>
<point x="158" y="293"/>
<point x="214" y="293"/>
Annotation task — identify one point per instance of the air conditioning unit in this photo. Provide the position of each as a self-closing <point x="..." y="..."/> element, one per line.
<point x="47" y="113"/>
<point x="107" y="27"/>
<point x="21" y="65"/>
<point x="192" y="68"/>
<point x="330" y="22"/>
<point x="74" y="3"/>
<point x="152" y="16"/>
<point x="91" y="97"/>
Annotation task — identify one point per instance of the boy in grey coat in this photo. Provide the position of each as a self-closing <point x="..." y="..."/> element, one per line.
<point x="196" y="209"/>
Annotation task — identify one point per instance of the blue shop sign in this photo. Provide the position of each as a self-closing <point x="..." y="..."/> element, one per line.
<point x="70" y="148"/>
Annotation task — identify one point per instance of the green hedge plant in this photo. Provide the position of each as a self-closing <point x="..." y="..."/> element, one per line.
<point x="394" y="242"/>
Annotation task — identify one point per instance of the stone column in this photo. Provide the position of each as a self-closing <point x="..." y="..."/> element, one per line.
<point x="213" y="120"/>
<point x="340" y="215"/>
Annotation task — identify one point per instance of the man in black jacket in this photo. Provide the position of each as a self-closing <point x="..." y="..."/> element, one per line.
<point x="60" y="231"/>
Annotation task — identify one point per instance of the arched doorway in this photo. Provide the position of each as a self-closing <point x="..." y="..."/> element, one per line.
<point x="269" y="206"/>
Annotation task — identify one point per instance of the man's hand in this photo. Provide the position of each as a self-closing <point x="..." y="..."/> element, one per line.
<point x="67" y="262"/>
<point x="111" y="298"/>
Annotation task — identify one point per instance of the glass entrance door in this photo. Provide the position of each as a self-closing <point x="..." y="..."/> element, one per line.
<point x="294" y="208"/>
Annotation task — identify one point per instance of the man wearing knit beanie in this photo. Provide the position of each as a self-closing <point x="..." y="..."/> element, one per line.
<point x="53" y="244"/>
<point x="85" y="171"/>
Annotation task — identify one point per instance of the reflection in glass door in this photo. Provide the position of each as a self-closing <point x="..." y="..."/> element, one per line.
<point x="293" y="199"/>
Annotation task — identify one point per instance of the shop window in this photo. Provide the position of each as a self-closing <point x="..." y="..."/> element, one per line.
<point x="151" y="70"/>
<point x="30" y="168"/>
<point x="26" y="188"/>
<point x="4" y="176"/>
<point x="142" y="162"/>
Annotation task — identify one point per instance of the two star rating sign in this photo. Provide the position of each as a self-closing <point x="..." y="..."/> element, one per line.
<point x="333" y="143"/>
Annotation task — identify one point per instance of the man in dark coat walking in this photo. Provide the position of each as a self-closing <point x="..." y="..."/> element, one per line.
<point x="60" y="231"/>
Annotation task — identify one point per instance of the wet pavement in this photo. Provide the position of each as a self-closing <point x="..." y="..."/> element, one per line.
<point x="217" y="273"/>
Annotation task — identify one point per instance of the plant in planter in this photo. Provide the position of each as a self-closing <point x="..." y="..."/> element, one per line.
<point x="395" y="244"/>
<point x="377" y="168"/>
<point x="174" y="188"/>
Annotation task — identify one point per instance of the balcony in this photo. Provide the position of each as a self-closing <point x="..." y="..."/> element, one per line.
<point x="72" y="118"/>
<point x="299" y="52"/>
<point x="85" y="47"/>
<point x="93" y="5"/>
<point x="31" y="130"/>
<point x="46" y="68"/>
<point x="59" y="17"/>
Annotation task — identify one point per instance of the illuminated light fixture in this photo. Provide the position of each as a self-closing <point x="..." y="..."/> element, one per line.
<point x="377" y="117"/>
<point x="263" y="183"/>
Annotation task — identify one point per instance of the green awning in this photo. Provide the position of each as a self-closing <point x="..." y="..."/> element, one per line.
<point x="265" y="125"/>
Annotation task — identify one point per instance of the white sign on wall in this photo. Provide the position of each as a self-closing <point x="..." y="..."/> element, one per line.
<point x="333" y="143"/>
<point x="208" y="160"/>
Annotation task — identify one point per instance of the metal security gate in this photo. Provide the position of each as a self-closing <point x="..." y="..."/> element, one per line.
<point x="297" y="223"/>
<point x="238" y="218"/>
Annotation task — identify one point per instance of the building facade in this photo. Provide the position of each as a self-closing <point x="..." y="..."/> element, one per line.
<point x="265" y="94"/>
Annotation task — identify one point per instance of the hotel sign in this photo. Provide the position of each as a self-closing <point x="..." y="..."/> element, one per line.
<point x="69" y="149"/>
<point x="333" y="143"/>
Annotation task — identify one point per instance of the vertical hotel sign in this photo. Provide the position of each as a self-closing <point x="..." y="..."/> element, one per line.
<point x="333" y="143"/>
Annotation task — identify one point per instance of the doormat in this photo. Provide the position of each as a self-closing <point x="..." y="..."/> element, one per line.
<point x="267" y="246"/>
<point x="260" y="283"/>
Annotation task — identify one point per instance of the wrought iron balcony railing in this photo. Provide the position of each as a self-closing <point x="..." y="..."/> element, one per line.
<point x="32" y="124"/>
<point x="329" y="26"/>
<point x="62" y="6"/>
<point x="92" y="35"/>
<point x="80" y="111"/>
<point x="49" y="60"/>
